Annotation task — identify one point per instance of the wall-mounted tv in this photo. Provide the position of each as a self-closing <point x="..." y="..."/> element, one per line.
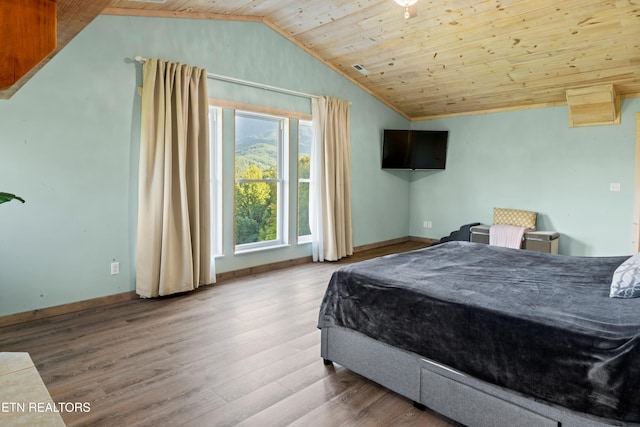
<point x="414" y="149"/>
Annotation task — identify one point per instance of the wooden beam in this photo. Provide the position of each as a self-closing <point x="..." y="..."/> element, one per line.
<point x="28" y="31"/>
<point x="72" y="16"/>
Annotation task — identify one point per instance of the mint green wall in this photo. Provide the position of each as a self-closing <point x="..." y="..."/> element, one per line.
<point x="532" y="160"/>
<point x="69" y="145"/>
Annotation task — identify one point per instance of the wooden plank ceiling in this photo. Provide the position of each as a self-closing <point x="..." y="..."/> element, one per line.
<point x="456" y="56"/>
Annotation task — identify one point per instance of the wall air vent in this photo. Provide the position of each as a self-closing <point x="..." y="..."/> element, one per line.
<point x="359" y="68"/>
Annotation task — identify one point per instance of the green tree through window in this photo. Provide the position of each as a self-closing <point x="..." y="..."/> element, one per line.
<point x="304" y="165"/>
<point x="258" y="204"/>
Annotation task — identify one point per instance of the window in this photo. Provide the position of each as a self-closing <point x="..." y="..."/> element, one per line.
<point x="305" y="134"/>
<point x="260" y="190"/>
<point x="215" y="173"/>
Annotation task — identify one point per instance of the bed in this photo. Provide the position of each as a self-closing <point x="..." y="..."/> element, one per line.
<point x="490" y="336"/>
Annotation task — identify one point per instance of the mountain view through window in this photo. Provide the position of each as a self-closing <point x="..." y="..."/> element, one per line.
<point x="257" y="170"/>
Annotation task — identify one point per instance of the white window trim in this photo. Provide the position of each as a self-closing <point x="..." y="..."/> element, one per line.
<point x="305" y="238"/>
<point x="282" y="236"/>
<point x="215" y="180"/>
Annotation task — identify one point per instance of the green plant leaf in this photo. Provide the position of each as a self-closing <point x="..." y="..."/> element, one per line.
<point x="7" y="197"/>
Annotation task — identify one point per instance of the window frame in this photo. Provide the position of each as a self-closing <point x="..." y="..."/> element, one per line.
<point x="305" y="238"/>
<point x="281" y="181"/>
<point x="215" y="181"/>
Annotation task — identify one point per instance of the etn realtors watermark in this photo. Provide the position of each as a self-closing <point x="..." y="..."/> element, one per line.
<point x="44" y="407"/>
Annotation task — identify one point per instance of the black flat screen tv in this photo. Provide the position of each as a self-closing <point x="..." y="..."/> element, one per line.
<point x="414" y="149"/>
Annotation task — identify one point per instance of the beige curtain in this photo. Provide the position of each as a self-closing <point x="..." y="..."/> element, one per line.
<point x="173" y="253"/>
<point x="330" y="191"/>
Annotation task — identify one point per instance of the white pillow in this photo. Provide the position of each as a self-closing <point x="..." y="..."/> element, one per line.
<point x="626" y="279"/>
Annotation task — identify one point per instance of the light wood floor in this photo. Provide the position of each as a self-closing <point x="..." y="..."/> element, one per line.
<point x="244" y="352"/>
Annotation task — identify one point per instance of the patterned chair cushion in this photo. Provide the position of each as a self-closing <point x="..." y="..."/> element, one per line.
<point x="626" y="279"/>
<point x="526" y="219"/>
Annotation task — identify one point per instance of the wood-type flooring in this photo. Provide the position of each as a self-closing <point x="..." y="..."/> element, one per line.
<point x="244" y="352"/>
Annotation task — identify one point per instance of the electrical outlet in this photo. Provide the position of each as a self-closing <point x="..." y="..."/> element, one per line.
<point x="115" y="268"/>
<point x="427" y="224"/>
<point x="614" y="186"/>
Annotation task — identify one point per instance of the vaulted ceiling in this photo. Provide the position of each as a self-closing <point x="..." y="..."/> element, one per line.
<point x="455" y="57"/>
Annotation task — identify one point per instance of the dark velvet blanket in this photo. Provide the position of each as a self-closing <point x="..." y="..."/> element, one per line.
<point x="537" y="323"/>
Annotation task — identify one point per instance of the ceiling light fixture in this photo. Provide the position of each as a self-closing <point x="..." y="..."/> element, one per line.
<point x="406" y="4"/>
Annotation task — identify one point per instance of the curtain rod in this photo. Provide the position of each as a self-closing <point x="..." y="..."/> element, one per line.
<point x="142" y="59"/>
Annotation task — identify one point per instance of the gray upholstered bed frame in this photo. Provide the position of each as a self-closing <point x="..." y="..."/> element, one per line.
<point x="449" y="392"/>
